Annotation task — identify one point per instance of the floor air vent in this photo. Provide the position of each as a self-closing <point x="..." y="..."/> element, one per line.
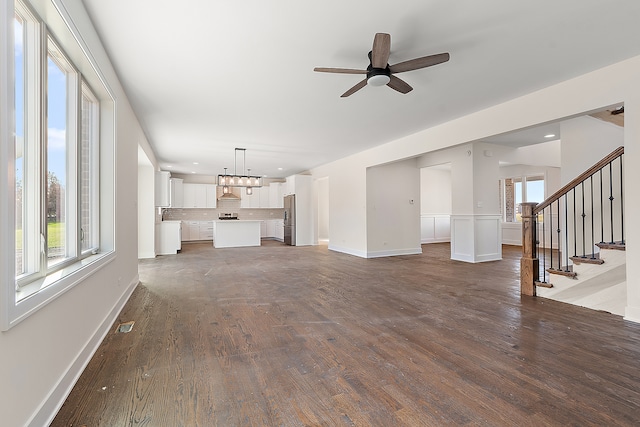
<point x="125" y="327"/>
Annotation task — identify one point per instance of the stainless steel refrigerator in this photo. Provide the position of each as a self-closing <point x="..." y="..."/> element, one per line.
<point x="290" y="220"/>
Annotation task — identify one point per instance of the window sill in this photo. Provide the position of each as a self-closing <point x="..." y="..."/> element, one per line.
<point x="30" y="298"/>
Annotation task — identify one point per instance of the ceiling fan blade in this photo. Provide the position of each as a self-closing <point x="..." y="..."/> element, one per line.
<point x="339" y="70"/>
<point x="380" y="51"/>
<point x="417" y="63"/>
<point x="399" y="85"/>
<point x="354" y="89"/>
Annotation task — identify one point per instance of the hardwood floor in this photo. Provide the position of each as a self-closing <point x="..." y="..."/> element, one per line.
<point x="302" y="336"/>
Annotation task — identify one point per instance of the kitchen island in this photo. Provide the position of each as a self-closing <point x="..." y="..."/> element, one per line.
<point x="236" y="233"/>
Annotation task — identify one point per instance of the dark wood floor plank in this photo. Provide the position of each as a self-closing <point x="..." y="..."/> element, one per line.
<point x="291" y="336"/>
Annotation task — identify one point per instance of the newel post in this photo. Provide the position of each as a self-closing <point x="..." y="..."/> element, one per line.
<point x="529" y="262"/>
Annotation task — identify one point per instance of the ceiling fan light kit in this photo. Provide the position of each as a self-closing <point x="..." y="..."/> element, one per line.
<point x="378" y="79"/>
<point x="380" y="73"/>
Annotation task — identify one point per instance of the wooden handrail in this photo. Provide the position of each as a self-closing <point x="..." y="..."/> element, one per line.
<point x="584" y="175"/>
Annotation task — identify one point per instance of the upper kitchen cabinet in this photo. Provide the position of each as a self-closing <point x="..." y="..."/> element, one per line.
<point x="162" y="189"/>
<point x="259" y="198"/>
<point x="176" y="194"/>
<point x="276" y="194"/>
<point x="199" y="195"/>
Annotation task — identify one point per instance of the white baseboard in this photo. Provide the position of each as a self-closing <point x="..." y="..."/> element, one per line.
<point x="146" y="255"/>
<point x="632" y="314"/>
<point x="347" y="251"/>
<point x="395" y="252"/>
<point x="50" y="407"/>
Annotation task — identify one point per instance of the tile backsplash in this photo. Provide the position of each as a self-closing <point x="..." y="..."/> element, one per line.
<point x="204" y="214"/>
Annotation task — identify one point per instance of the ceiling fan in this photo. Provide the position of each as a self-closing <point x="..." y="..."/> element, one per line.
<point x="380" y="73"/>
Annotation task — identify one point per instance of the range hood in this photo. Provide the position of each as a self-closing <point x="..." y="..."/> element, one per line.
<point x="228" y="196"/>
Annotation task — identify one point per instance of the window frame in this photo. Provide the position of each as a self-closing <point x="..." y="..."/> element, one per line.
<point x="523" y="180"/>
<point x="36" y="291"/>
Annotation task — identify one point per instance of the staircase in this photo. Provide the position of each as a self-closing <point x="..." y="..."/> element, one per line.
<point x="584" y="218"/>
<point x="600" y="285"/>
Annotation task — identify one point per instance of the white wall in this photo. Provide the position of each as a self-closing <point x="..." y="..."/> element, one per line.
<point x="435" y="190"/>
<point x="146" y="207"/>
<point x="435" y="204"/>
<point x="585" y="141"/>
<point x="41" y="357"/>
<point x="393" y="209"/>
<point x="322" y="188"/>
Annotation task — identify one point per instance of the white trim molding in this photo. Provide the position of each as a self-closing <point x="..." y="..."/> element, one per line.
<point x="395" y="252"/>
<point x="476" y="238"/>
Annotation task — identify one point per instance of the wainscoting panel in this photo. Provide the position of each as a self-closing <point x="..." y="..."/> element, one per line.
<point x="435" y="228"/>
<point x="476" y="238"/>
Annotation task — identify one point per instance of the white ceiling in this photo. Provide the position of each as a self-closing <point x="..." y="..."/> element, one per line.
<point x="207" y="76"/>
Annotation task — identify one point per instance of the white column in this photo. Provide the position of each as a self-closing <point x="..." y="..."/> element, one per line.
<point x="476" y="233"/>
<point x="632" y="203"/>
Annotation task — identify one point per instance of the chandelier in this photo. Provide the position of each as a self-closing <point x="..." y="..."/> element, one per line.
<point x="243" y="180"/>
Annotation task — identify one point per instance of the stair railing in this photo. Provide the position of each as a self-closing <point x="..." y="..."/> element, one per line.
<point x="585" y="213"/>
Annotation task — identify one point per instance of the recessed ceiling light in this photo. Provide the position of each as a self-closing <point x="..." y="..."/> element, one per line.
<point x="280" y="169"/>
<point x="192" y="172"/>
<point x="196" y="163"/>
<point x="551" y="135"/>
<point x="169" y="166"/>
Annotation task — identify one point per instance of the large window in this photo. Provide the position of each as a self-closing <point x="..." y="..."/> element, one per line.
<point x="517" y="190"/>
<point x="56" y="162"/>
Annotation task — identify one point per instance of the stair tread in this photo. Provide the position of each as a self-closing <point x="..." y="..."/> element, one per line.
<point x="564" y="271"/>
<point x="587" y="259"/>
<point x="544" y="284"/>
<point x="620" y="246"/>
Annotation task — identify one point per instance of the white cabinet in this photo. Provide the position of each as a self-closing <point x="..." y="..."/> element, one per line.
<point x="290" y="186"/>
<point x="189" y="194"/>
<point x="211" y="196"/>
<point x="199" y="195"/>
<point x="170" y="238"/>
<point x="176" y="194"/>
<point x="245" y="201"/>
<point x="269" y="196"/>
<point x="162" y="188"/>
<point x="276" y="195"/>
<point x="206" y="230"/>
<point x="255" y="200"/>
<point x="263" y="200"/>
<point x="197" y="230"/>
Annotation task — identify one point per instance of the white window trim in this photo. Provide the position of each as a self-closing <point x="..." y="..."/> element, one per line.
<point x="523" y="180"/>
<point x="16" y="306"/>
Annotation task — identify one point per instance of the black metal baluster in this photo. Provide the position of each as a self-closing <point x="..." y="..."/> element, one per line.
<point x="551" y="236"/>
<point x="566" y="231"/>
<point x="584" y="253"/>
<point x="544" y="248"/>
<point x="621" y="202"/>
<point x="575" y="240"/>
<point x="560" y="236"/>
<point x="593" y="255"/>
<point x="611" y="198"/>
<point x="601" y="210"/>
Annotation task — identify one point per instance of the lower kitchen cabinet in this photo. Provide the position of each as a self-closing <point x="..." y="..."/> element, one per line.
<point x="197" y="230"/>
<point x="170" y="237"/>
